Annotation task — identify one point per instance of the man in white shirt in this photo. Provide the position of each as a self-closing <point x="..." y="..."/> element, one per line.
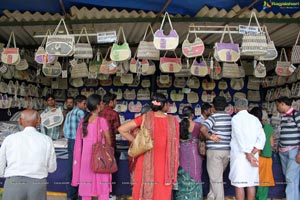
<point x="26" y="157"/>
<point x="248" y="138"/>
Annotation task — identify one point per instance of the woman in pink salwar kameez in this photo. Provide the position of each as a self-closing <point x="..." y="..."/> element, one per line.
<point x="90" y="183"/>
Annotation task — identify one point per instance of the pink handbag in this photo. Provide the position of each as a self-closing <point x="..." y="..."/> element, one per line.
<point x="41" y="55"/>
<point x="10" y="55"/>
<point x="192" y="49"/>
<point x="283" y="68"/>
<point x="170" y="65"/>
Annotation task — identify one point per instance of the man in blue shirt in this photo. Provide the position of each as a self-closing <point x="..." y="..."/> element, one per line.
<point x="70" y="128"/>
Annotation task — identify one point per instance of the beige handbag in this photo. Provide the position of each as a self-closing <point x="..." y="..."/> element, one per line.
<point x="79" y="70"/>
<point x="170" y="65"/>
<point x="193" y="97"/>
<point x="127" y="78"/>
<point x="193" y="49"/>
<point x="237" y="83"/>
<point x="83" y="50"/>
<point x="143" y="94"/>
<point x="284" y="68"/>
<point x="295" y="58"/>
<point x="208" y="85"/>
<point x="166" y="42"/>
<point x="108" y="66"/>
<point x="254" y="95"/>
<point x="164" y="81"/>
<point x="172" y="108"/>
<point x="271" y="49"/>
<point x="177" y="96"/>
<point x="200" y="68"/>
<point x="146" y="49"/>
<point x="129" y="94"/>
<point x="142" y="141"/>
<point x="231" y="70"/>
<point x="52" y="70"/>
<point x="193" y="82"/>
<point x="222" y="85"/>
<point x="238" y="95"/>
<point x="260" y="70"/>
<point x="253" y="83"/>
<point x="117" y="92"/>
<point x="254" y="44"/>
<point x="10" y="55"/>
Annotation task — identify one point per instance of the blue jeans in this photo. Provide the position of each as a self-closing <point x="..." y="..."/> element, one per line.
<point x="72" y="192"/>
<point x="291" y="171"/>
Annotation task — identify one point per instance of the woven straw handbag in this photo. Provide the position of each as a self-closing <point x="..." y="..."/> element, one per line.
<point x="295" y="58"/>
<point x="146" y="49"/>
<point x="283" y="67"/>
<point x="170" y="65"/>
<point x="193" y="49"/>
<point x="271" y="49"/>
<point x="41" y="55"/>
<point x="120" y="52"/>
<point x="83" y="50"/>
<point x="10" y="55"/>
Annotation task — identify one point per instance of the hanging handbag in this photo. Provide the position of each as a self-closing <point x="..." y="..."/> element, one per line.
<point x="260" y="70"/>
<point x="166" y="42"/>
<point x="52" y="70"/>
<point x="194" y="49"/>
<point x="83" y="50"/>
<point x="41" y="55"/>
<point x="146" y="49"/>
<point x="192" y="97"/>
<point x="254" y="44"/>
<point x="10" y="55"/>
<point x="283" y="68"/>
<point x="271" y="49"/>
<point x="193" y="82"/>
<point x="295" y="58"/>
<point x="60" y="45"/>
<point x="231" y="70"/>
<point x="226" y="52"/>
<point x="237" y="83"/>
<point x="102" y="158"/>
<point x="216" y="71"/>
<point x="170" y="65"/>
<point x="120" y="52"/>
<point x="200" y="68"/>
<point x="142" y="141"/>
<point x="94" y="65"/>
<point x="108" y="66"/>
<point x="78" y="70"/>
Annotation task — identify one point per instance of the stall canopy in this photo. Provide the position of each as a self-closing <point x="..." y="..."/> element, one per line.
<point x="33" y="17"/>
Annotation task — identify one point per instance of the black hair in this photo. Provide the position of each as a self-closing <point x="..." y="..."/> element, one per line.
<point x="159" y="98"/>
<point x="205" y="107"/>
<point x="184" y="125"/>
<point x="109" y="97"/>
<point x="287" y="101"/>
<point x="70" y="98"/>
<point x="80" y="98"/>
<point x="257" y="112"/>
<point x="48" y="96"/>
<point x="92" y="102"/>
<point x="220" y="103"/>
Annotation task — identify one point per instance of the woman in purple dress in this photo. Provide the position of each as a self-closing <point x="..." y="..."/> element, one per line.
<point x="190" y="161"/>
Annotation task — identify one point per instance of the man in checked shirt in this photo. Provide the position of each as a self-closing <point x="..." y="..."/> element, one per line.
<point x="113" y="120"/>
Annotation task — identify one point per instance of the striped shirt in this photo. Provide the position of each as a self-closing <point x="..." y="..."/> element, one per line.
<point x="290" y="129"/>
<point x="220" y="124"/>
<point x="71" y="122"/>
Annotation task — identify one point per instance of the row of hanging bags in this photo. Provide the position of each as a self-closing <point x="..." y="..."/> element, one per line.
<point x="254" y="44"/>
<point x="60" y="45"/>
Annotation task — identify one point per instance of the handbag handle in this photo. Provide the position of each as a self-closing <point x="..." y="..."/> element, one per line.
<point x="267" y="33"/>
<point x="57" y="27"/>
<point x="83" y="32"/>
<point x="223" y="34"/>
<point x="253" y="15"/>
<point x="188" y="34"/>
<point x="147" y="29"/>
<point x="123" y="34"/>
<point x="11" y="36"/>
<point x="297" y="38"/>
<point x="163" y="21"/>
<point x="108" y="50"/>
<point x="167" y="52"/>
<point x="284" y="53"/>
<point x="45" y="38"/>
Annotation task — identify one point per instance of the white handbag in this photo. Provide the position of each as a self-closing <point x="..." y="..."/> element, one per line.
<point x="60" y="45"/>
<point x="52" y="118"/>
<point x="10" y="55"/>
<point x="295" y="58"/>
<point x="271" y="49"/>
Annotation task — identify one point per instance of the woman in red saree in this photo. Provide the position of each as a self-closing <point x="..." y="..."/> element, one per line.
<point x="156" y="170"/>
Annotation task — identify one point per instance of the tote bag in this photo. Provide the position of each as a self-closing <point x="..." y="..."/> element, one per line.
<point x="283" y="67"/>
<point x="83" y="50"/>
<point x="295" y="58"/>
<point x="41" y="55"/>
<point x="193" y="49"/>
<point x="271" y="49"/>
<point x="166" y="42"/>
<point x="170" y="65"/>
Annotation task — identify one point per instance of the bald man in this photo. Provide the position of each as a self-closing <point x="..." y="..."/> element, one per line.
<point x="26" y="157"/>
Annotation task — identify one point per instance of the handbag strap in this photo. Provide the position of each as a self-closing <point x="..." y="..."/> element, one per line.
<point x="57" y="27"/>
<point x="283" y="53"/>
<point x="147" y="29"/>
<point x="267" y="33"/>
<point x="83" y="32"/>
<point x="253" y="15"/>
<point x="11" y="36"/>
<point x="45" y="38"/>
<point x="108" y="50"/>
<point x="167" y="52"/>
<point x="224" y="31"/>
<point x="123" y="34"/>
<point x="297" y="38"/>
<point x="163" y="21"/>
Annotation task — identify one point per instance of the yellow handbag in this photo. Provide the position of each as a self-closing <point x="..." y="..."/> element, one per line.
<point x="142" y="142"/>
